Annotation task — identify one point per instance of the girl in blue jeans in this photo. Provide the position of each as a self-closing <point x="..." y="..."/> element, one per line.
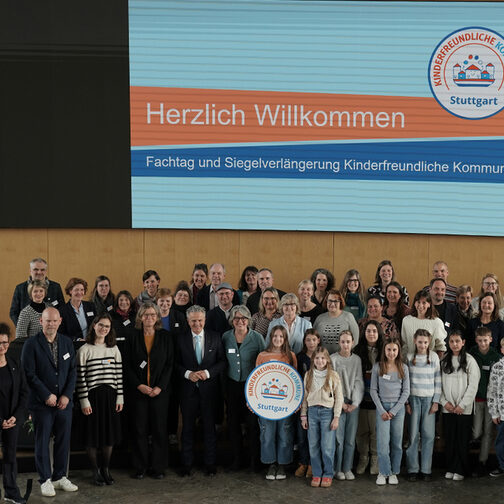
<point x="277" y="436"/>
<point x="390" y="390"/>
<point x="425" y="390"/>
<point x="320" y="414"/>
<point x="349" y="368"/>
<point x="311" y="342"/>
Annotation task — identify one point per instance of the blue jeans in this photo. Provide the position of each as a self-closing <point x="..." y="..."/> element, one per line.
<point x="424" y="425"/>
<point x="499" y="444"/>
<point x="389" y="441"/>
<point x="345" y="441"/>
<point x="277" y="440"/>
<point x="322" y="441"/>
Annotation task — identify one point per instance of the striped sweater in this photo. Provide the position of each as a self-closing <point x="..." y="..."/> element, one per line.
<point x="425" y="379"/>
<point x="98" y="365"/>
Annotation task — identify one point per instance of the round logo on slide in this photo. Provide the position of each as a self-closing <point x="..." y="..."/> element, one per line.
<point x="274" y="390"/>
<point x="466" y="73"/>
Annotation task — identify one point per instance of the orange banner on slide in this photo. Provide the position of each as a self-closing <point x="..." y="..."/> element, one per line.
<point x="178" y="116"/>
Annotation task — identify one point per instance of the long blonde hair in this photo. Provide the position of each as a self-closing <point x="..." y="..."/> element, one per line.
<point x="330" y="370"/>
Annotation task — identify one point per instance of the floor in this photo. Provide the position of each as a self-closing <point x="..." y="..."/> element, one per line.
<point x="247" y="487"/>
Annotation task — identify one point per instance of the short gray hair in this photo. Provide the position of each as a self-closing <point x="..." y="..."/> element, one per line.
<point x="240" y="310"/>
<point x="290" y="298"/>
<point x="37" y="260"/>
<point x="195" y="309"/>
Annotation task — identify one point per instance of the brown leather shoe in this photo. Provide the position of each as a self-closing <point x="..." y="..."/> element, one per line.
<point x="301" y="471"/>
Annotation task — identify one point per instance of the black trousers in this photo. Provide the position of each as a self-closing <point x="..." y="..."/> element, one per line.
<point x="9" y="466"/>
<point x="238" y="413"/>
<point x="457" y="433"/>
<point x="192" y="404"/>
<point x="148" y="418"/>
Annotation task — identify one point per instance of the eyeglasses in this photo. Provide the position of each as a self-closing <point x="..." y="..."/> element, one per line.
<point x="333" y="301"/>
<point x="4" y="343"/>
<point x="149" y="315"/>
<point x="240" y="319"/>
<point x="488" y="284"/>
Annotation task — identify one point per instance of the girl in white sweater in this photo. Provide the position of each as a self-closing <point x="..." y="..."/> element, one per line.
<point x="460" y="376"/>
<point x="423" y="316"/>
<point x="320" y="414"/>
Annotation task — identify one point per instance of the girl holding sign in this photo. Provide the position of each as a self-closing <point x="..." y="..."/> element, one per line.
<point x="277" y="436"/>
<point x="320" y="414"/>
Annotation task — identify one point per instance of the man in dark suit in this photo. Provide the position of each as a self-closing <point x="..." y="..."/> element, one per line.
<point x="200" y="361"/>
<point x="207" y="296"/>
<point x="49" y="364"/>
<point x="264" y="280"/>
<point x="20" y="298"/>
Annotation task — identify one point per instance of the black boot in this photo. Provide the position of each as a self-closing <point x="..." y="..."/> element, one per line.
<point x="98" y="477"/>
<point x="107" y="476"/>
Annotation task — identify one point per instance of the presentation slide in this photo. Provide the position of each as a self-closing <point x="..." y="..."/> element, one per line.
<point x="318" y="116"/>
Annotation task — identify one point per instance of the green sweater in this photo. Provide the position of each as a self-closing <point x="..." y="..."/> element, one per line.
<point x="485" y="363"/>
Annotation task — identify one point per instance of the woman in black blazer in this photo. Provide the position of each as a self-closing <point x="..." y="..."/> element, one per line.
<point x="13" y="398"/>
<point x="148" y="366"/>
<point x="71" y="326"/>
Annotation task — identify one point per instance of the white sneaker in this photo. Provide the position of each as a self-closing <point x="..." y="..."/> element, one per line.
<point x="449" y="475"/>
<point x="457" y="477"/>
<point x="340" y="476"/>
<point x="381" y="480"/>
<point x="65" y="484"/>
<point x="47" y="489"/>
<point x="349" y="475"/>
<point x="392" y="480"/>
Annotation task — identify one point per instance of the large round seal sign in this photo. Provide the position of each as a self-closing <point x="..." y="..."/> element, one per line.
<point x="466" y="73"/>
<point x="274" y="390"/>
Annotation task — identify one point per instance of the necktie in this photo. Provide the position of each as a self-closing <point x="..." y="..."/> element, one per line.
<point x="197" y="348"/>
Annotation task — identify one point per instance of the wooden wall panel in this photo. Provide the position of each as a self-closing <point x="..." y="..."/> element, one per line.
<point x="363" y="251"/>
<point x="87" y="253"/>
<point x="469" y="258"/>
<point x="173" y="253"/>
<point x="292" y="256"/>
<point x="17" y="249"/>
<point x="125" y="254"/>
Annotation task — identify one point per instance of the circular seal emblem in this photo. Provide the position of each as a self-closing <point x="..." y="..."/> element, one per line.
<point x="466" y="73"/>
<point x="274" y="390"/>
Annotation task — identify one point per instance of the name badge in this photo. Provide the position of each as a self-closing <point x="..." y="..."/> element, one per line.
<point x="143" y="364"/>
<point x="447" y="324"/>
<point x="106" y="362"/>
<point x="127" y="322"/>
<point x="66" y="356"/>
<point x="55" y="302"/>
<point x="485" y="368"/>
<point x="109" y="308"/>
<point x="89" y="313"/>
<point x="122" y="338"/>
<point x="177" y="324"/>
<point x="386" y="377"/>
<point x="231" y="350"/>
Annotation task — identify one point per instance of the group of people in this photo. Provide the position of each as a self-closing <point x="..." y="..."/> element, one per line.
<point x="368" y="358"/>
